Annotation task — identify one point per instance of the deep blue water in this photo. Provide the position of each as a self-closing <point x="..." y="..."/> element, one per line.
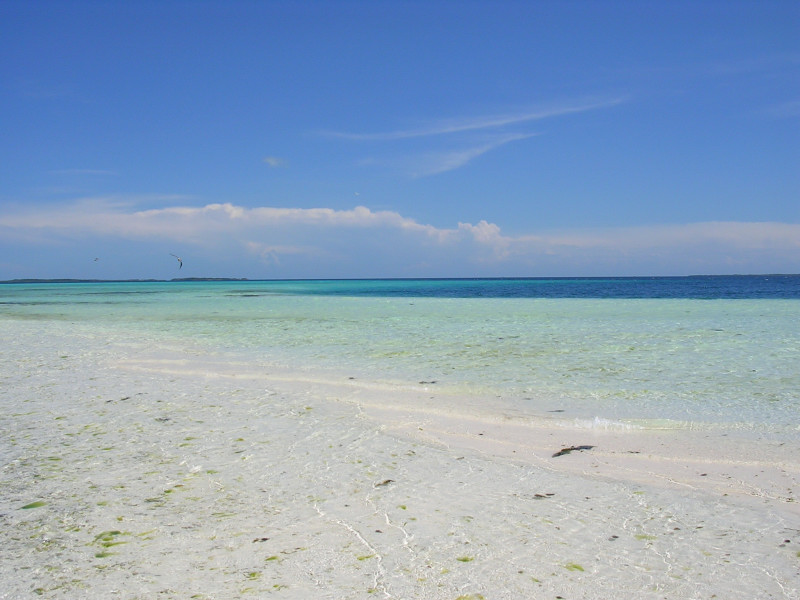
<point x="698" y="287"/>
<point x="706" y="287"/>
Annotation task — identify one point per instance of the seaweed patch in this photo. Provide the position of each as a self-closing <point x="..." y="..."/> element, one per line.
<point x="564" y="451"/>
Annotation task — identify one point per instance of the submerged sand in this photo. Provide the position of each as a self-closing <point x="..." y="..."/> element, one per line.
<point x="133" y="472"/>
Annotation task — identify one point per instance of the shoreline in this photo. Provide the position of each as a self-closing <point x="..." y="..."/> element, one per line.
<point x="668" y="459"/>
<point x="131" y="475"/>
<point x="718" y="463"/>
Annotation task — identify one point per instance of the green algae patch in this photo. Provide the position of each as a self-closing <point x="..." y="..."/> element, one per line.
<point x="106" y="536"/>
<point x="106" y="540"/>
<point x="644" y="537"/>
<point x="366" y="557"/>
<point x="465" y="559"/>
<point x="573" y="567"/>
<point x="471" y="597"/>
<point x="36" y="504"/>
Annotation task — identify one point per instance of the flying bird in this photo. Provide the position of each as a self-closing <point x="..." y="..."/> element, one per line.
<point x="180" y="260"/>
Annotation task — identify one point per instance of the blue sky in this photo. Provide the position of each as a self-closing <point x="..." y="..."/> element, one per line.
<point x="398" y="139"/>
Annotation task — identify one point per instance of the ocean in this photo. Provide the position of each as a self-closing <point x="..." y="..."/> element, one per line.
<point x="657" y="352"/>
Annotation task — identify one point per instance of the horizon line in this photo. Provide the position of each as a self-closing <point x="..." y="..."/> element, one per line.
<point x="24" y="280"/>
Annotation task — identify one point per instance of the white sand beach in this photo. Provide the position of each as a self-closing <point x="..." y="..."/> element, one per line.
<point x="137" y="472"/>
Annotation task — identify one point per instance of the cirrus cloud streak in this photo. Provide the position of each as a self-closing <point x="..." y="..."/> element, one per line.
<point x="450" y="126"/>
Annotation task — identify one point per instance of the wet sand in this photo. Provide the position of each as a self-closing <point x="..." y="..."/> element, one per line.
<point x="132" y="472"/>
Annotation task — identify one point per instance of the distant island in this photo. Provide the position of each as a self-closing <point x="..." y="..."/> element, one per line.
<point x="124" y="280"/>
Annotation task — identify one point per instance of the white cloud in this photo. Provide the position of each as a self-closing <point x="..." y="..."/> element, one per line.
<point x="449" y="126"/>
<point x="447" y="161"/>
<point x="190" y="223"/>
<point x="274" y="162"/>
<point x="360" y="236"/>
<point x="464" y="132"/>
<point x="271" y="253"/>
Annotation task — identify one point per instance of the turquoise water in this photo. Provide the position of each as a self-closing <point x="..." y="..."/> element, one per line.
<point x="670" y="352"/>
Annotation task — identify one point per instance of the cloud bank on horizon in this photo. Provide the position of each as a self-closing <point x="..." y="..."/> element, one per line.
<point x="224" y="239"/>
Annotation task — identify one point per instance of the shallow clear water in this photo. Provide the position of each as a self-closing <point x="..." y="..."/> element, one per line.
<point x="672" y="352"/>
